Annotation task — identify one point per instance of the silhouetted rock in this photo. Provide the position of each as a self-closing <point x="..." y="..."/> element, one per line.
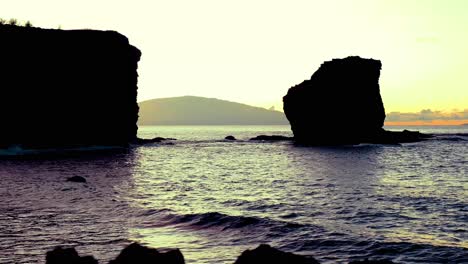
<point x="366" y="261"/>
<point x="137" y="254"/>
<point x="230" y="138"/>
<point x="341" y="104"/>
<point x="67" y="256"/>
<point x="151" y="140"/>
<point x="394" y="137"/>
<point x="272" y="138"/>
<point x="76" y="179"/>
<point x="268" y="255"/>
<point x="72" y="87"/>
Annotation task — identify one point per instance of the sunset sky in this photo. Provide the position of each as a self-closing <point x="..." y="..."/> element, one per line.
<point x="253" y="51"/>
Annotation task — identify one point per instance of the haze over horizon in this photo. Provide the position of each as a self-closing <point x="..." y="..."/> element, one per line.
<point x="253" y="52"/>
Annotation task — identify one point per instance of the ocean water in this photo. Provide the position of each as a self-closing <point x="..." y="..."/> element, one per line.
<point x="214" y="198"/>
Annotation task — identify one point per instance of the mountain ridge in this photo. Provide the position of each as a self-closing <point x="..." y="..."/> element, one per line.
<point x="196" y="110"/>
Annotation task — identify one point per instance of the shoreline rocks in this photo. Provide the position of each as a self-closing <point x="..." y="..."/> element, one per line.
<point x="69" y="256"/>
<point x="143" y="141"/>
<point x="271" y="138"/>
<point x="267" y="254"/>
<point x="138" y="254"/>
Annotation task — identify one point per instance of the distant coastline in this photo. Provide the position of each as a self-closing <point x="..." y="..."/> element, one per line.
<point x="194" y="110"/>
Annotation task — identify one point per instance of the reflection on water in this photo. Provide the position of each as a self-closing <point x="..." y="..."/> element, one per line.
<point x="213" y="199"/>
<point x="39" y="209"/>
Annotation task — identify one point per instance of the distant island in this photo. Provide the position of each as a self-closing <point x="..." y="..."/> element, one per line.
<point x="194" y="110"/>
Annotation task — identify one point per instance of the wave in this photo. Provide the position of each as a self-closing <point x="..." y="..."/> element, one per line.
<point x="18" y="151"/>
<point x="215" y="220"/>
<point x="308" y="239"/>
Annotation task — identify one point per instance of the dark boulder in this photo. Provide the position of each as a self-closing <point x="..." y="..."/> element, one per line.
<point x="76" y="179"/>
<point x="230" y="138"/>
<point x="69" y="256"/>
<point x="272" y="138"/>
<point x="341" y="104"/>
<point x="74" y="87"/>
<point x="269" y="255"/>
<point x="138" y="254"/>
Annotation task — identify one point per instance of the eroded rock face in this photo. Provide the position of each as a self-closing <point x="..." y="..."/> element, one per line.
<point x="66" y="88"/>
<point x="340" y="104"/>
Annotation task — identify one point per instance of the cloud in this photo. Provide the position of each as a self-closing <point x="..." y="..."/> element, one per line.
<point x="427" y="115"/>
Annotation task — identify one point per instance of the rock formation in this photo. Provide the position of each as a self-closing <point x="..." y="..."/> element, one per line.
<point x="68" y="255"/>
<point x="267" y="254"/>
<point x="67" y="88"/>
<point x="271" y="138"/>
<point x="340" y="104"/>
<point x="136" y="253"/>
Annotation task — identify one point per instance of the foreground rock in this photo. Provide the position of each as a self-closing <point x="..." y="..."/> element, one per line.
<point x="272" y="138"/>
<point x="341" y="104"/>
<point x="268" y="255"/>
<point x="230" y="138"/>
<point x="67" y="256"/>
<point x="137" y="254"/>
<point x="74" y="87"/>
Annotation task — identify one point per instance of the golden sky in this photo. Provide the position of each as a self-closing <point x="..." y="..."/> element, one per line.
<point x="252" y="51"/>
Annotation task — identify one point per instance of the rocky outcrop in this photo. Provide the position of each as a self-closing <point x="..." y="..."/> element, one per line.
<point x="340" y="104"/>
<point x="67" y="88"/>
<point x="68" y="255"/>
<point x="143" y="141"/>
<point x="136" y="253"/>
<point x="267" y="254"/>
<point x="271" y="138"/>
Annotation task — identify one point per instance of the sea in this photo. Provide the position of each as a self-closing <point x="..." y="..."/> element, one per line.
<point x="213" y="198"/>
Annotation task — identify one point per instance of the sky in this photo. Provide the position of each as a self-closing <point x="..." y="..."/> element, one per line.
<point x="253" y="51"/>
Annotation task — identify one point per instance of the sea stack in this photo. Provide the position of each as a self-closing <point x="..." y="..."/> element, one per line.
<point x="67" y="88"/>
<point x="340" y="105"/>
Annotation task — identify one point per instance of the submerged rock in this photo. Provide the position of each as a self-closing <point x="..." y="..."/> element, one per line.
<point x="269" y="255"/>
<point x="74" y="87"/>
<point x="67" y="256"/>
<point x="341" y="104"/>
<point x="76" y="179"/>
<point x="272" y="138"/>
<point x="138" y="254"/>
<point x="230" y="138"/>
